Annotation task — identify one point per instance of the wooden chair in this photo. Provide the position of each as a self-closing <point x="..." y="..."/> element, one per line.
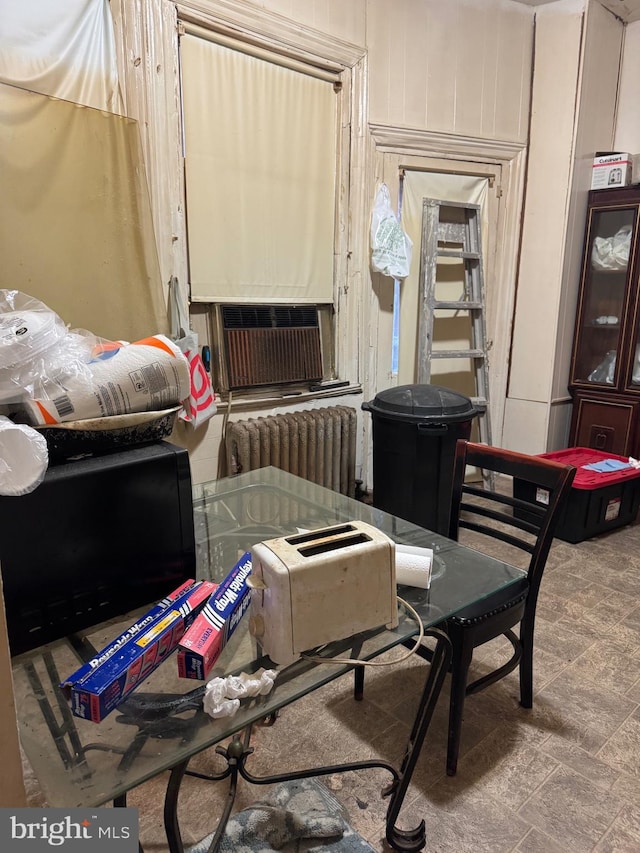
<point x="523" y="523"/>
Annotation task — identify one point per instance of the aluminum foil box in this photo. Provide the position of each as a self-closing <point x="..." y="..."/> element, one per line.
<point x="98" y="693"/>
<point x="202" y="644"/>
<point x="311" y="588"/>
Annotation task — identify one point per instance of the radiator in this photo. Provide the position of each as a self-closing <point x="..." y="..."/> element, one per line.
<point x="317" y="445"/>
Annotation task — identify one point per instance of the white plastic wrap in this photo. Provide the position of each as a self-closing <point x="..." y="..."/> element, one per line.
<point x="50" y="375"/>
<point x="24" y="458"/>
<point x="612" y="253"/>
<point x="30" y="336"/>
<point x="222" y="695"/>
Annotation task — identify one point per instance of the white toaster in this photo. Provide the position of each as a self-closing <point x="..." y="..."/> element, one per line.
<point x="311" y="588"/>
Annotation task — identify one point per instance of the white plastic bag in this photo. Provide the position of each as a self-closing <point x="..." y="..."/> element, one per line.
<point x="200" y="405"/>
<point x="390" y="247"/>
<point x="612" y="253"/>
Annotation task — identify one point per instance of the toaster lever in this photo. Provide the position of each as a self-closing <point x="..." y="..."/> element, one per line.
<point x="255" y="582"/>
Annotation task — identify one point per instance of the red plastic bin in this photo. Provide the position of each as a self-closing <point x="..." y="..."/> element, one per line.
<point x="599" y="501"/>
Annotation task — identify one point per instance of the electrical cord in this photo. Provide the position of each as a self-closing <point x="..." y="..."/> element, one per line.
<point x="412" y="650"/>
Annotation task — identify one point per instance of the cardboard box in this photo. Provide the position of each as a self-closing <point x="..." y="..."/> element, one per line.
<point x="117" y="674"/>
<point x="201" y="645"/>
<point x="611" y="170"/>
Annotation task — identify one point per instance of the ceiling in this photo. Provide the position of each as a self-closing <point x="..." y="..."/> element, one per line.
<point x="626" y="10"/>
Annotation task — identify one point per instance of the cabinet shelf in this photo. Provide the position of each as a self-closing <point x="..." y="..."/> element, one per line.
<point x="601" y="327"/>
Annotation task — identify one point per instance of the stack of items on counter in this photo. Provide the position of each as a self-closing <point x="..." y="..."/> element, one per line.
<point x="50" y="375"/>
<point x="197" y="617"/>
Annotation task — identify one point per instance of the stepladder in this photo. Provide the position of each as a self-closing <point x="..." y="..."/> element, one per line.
<point x="452" y="313"/>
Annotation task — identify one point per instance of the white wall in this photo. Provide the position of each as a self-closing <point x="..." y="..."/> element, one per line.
<point x="627" y="135"/>
<point x="578" y="48"/>
<point x="461" y="67"/>
<point x="597" y="106"/>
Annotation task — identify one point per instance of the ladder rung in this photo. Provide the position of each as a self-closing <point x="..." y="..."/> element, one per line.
<point x="460" y="305"/>
<point x="463" y="256"/>
<point x="458" y="353"/>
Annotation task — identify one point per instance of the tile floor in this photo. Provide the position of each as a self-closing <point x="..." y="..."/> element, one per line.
<point x="564" y="776"/>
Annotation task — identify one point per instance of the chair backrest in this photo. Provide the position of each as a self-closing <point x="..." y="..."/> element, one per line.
<point x="527" y="522"/>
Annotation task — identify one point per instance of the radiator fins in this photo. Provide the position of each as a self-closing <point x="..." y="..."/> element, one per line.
<point x="318" y="445"/>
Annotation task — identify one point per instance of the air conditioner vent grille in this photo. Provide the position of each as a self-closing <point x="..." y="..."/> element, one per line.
<point x="269" y="316"/>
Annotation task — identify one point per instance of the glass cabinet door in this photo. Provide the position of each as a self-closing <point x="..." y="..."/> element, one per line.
<point x="603" y="297"/>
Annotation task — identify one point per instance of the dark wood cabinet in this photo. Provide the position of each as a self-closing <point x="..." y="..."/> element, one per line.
<point x="605" y="363"/>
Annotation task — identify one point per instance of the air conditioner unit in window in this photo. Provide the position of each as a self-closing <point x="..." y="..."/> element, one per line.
<point x="271" y="344"/>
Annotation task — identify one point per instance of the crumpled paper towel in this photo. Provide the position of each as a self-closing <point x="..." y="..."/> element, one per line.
<point x="222" y="695"/>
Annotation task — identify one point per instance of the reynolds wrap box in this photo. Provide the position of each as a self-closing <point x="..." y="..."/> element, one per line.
<point x="132" y="631"/>
<point x="97" y="693"/>
<point x="200" y="647"/>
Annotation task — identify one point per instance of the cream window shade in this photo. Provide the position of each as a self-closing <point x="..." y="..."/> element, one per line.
<point x="260" y="168"/>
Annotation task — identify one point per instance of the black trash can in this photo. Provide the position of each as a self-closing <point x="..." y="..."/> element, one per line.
<point x="415" y="430"/>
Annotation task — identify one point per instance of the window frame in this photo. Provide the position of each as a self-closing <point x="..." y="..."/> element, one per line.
<point x="147" y="50"/>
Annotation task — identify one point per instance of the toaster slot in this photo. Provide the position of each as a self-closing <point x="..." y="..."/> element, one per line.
<point x="300" y="538"/>
<point x="325" y="547"/>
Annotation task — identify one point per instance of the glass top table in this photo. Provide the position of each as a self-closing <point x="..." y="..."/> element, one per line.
<point x="161" y="725"/>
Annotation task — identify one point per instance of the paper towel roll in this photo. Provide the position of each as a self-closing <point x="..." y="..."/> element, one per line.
<point x="147" y="375"/>
<point x="24" y="458"/>
<point x="413" y="566"/>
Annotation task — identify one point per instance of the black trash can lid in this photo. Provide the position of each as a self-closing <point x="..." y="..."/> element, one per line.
<point x="422" y="404"/>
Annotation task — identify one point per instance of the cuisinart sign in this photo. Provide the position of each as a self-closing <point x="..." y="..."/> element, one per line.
<point x="106" y="829"/>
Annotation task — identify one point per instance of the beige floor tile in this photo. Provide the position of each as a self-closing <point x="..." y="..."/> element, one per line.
<point x="624" y="834"/>
<point x="622" y="750"/>
<point x="608" y="664"/>
<point x="592" y="768"/>
<point x="572" y="810"/>
<point x="471" y="822"/>
<point x="579" y="712"/>
<point x="538" y="842"/>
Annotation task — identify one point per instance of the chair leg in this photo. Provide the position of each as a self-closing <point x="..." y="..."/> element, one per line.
<point x="462" y="654"/>
<point x="358" y="683"/>
<point x="526" y="664"/>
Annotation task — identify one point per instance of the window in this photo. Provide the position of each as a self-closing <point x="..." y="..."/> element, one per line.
<point x="260" y="141"/>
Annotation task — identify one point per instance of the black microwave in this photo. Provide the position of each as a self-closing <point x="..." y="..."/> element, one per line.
<point x="100" y="536"/>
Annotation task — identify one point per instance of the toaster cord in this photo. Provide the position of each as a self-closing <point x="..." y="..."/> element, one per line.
<point x="412" y="650"/>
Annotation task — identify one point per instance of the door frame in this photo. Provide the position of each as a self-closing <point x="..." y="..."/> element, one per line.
<point x="400" y="148"/>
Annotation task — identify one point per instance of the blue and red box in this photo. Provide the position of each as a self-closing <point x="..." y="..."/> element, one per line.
<point x="95" y="690"/>
<point x="599" y="501"/>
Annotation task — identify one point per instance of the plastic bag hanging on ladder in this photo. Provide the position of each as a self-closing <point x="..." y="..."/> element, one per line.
<point x="391" y="247"/>
<point x="200" y="405"/>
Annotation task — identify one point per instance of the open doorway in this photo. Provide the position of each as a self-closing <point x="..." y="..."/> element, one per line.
<point x="496" y="187"/>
